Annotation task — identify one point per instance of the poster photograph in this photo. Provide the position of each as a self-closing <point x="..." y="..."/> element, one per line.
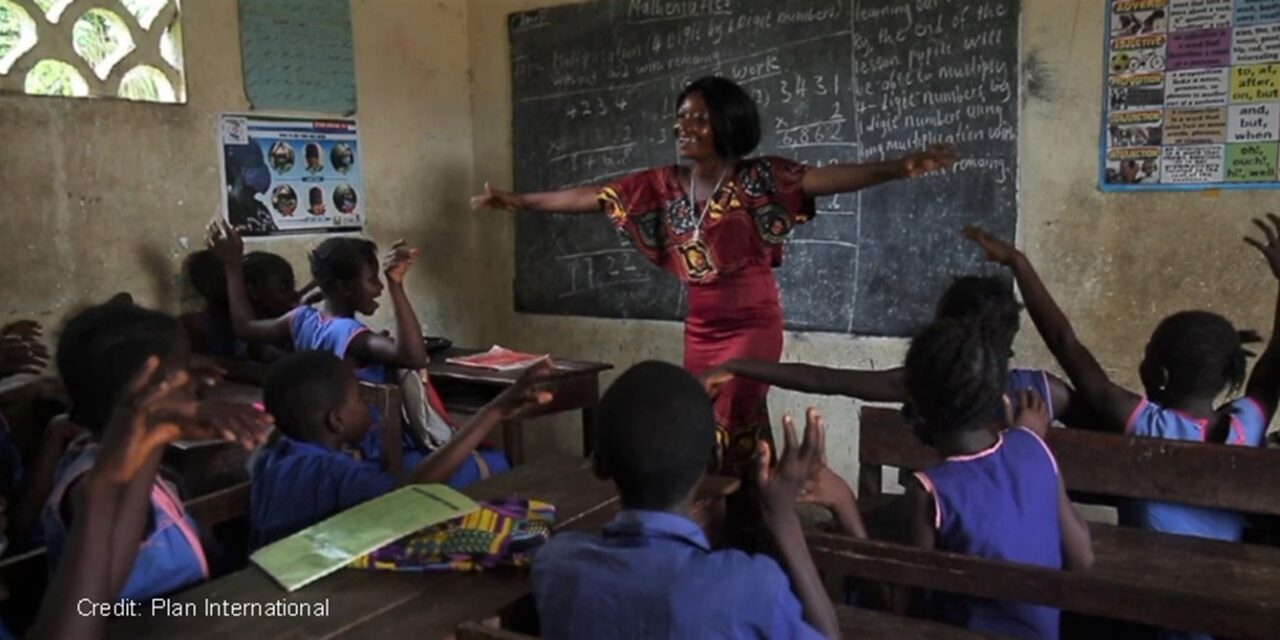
<point x="291" y="175"/>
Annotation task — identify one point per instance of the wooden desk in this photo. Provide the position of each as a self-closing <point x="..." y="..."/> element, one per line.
<point x="200" y="467"/>
<point x="575" y="383"/>
<point x="386" y="604"/>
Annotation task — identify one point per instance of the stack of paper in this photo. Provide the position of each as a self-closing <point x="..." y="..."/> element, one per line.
<point x="499" y="359"/>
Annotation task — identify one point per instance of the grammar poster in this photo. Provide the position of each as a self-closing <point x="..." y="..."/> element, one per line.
<point x="1192" y="95"/>
<point x="291" y="175"/>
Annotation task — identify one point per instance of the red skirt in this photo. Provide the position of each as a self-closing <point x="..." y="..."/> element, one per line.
<point x="736" y="316"/>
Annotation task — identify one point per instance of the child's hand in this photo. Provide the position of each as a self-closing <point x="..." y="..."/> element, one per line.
<point x="1270" y="250"/>
<point x="525" y="394"/>
<point x="827" y="489"/>
<point x="147" y="416"/>
<point x="495" y="199"/>
<point x="205" y="370"/>
<point x="231" y="421"/>
<point x="780" y="485"/>
<point x="935" y="159"/>
<point x="398" y="260"/>
<point x="715" y="379"/>
<point x="225" y="242"/>
<point x="27" y="329"/>
<point x="1032" y="413"/>
<point x="22" y="353"/>
<point x="997" y="250"/>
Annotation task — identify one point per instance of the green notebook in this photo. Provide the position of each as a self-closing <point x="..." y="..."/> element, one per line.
<point x="325" y="547"/>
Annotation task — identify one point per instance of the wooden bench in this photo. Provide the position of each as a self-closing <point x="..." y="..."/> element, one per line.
<point x="1103" y="463"/>
<point x="1145" y="577"/>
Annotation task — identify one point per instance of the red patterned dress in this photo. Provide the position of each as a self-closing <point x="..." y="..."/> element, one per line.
<point x="734" y="310"/>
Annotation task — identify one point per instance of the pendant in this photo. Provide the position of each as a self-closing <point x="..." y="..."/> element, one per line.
<point x="697" y="258"/>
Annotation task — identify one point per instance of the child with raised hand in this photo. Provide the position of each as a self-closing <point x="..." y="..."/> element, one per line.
<point x="1191" y="358"/>
<point x="652" y="574"/>
<point x="21" y="349"/>
<point x="99" y="352"/>
<point x="990" y="299"/>
<point x="305" y="476"/>
<point x="997" y="493"/>
<point x="148" y="415"/>
<point x="346" y="271"/>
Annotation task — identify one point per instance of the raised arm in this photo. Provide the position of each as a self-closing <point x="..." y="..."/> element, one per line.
<point x="1111" y="403"/>
<point x="513" y="401"/>
<point x="571" y="200"/>
<point x="407" y="351"/>
<point x="226" y="244"/>
<point x="1264" y="382"/>
<point x="872" y="386"/>
<point x="845" y="177"/>
<point x="779" y="487"/>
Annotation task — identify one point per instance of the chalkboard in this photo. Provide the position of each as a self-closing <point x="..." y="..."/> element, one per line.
<point x="594" y="89"/>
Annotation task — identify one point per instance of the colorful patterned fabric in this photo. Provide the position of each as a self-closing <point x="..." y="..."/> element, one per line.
<point x="734" y="310"/>
<point x="502" y="533"/>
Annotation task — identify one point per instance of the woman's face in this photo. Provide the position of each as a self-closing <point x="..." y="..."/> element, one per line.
<point x="694" y="138"/>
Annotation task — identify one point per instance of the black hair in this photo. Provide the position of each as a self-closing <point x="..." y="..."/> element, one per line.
<point x="102" y="348"/>
<point x="261" y="265"/>
<point x="655" y="432"/>
<point x="338" y="259"/>
<point x="735" y="121"/>
<point x="1202" y="353"/>
<point x="205" y="273"/>
<point x="302" y="388"/>
<point x="955" y="374"/>
<point x="986" y="300"/>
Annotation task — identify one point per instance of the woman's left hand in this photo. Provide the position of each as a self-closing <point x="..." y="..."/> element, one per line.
<point x="935" y="159"/>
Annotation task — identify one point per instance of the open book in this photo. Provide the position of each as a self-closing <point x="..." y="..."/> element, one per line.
<point x="499" y="359"/>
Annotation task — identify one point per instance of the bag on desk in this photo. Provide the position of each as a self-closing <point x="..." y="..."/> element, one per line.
<point x="501" y="533"/>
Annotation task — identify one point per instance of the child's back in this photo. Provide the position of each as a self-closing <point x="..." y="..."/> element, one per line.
<point x="1245" y="426"/>
<point x="1000" y="503"/>
<point x="653" y="575"/>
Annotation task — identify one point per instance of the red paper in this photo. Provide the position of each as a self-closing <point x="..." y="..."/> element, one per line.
<point x="499" y="359"/>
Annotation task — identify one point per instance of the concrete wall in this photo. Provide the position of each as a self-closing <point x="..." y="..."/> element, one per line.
<point x="101" y="196"/>
<point x="105" y="195"/>
<point x="1119" y="263"/>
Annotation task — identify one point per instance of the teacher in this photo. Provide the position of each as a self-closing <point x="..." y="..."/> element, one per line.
<point x="718" y="222"/>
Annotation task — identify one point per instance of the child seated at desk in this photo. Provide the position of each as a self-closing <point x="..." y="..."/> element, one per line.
<point x="652" y="573"/>
<point x="346" y="271"/>
<point x="272" y="291"/>
<point x="997" y="493"/>
<point x="305" y="476"/>
<point x="99" y="352"/>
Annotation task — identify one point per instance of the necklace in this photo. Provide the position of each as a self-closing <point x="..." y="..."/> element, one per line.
<point x="693" y="200"/>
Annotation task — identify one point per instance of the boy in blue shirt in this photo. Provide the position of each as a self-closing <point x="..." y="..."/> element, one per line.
<point x="305" y="476"/>
<point x="652" y="573"/>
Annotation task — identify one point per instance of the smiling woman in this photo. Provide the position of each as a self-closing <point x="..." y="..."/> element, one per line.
<point x="718" y="222"/>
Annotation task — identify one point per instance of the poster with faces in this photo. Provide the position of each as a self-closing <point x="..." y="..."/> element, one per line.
<point x="291" y="175"/>
<point x="1192" y="95"/>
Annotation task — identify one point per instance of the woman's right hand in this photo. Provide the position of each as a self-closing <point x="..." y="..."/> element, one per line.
<point x="496" y="199"/>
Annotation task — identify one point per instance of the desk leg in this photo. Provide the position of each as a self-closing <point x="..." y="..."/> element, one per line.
<point x="513" y="441"/>
<point x="588" y="439"/>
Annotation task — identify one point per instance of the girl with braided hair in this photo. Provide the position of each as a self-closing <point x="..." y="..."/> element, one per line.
<point x="1191" y="359"/>
<point x="997" y="492"/>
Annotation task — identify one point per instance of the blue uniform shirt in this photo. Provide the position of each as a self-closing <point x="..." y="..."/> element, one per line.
<point x="1248" y="428"/>
<point x="653" y="575"/>
<point x="312" y="329"/>
<point x="297" y="484"/>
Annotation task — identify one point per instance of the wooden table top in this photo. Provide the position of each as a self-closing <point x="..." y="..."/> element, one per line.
<point x="389" y="604"/>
